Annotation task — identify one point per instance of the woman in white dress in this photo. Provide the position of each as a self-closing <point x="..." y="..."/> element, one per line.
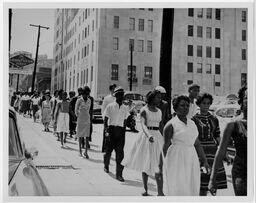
<point x="181" y="149"/>
<point x="145" y="154"/>
<point x="46" y="112"/>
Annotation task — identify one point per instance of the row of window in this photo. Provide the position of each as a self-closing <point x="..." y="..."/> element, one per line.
<point x="199" y="68"/>
<point x="200" y="32"/>
<point x="147" y="74"/>
<point x="209" y="12"/>
<point x="141" y="24"/>
<point x="200" y="51"/>
<point x="189" y="82"/>
<point x="140" y="45"/>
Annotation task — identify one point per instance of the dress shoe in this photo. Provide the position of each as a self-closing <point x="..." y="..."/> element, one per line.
<point x="106" y="169"/>
<point x="120" y="178"/>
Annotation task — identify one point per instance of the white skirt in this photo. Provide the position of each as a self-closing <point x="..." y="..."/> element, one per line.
<point x="145" y="155"/>
<point x="63" y="122"/>
<point x="181" y="171"/>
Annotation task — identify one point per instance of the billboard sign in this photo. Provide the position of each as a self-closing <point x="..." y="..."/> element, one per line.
<point x="21" y="60"/>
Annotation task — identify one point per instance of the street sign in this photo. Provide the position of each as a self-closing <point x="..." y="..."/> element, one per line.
<point x="21" y="60"/>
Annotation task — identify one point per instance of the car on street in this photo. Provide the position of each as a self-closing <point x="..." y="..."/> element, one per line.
<point x="23" y="179"/>
<point x="136" y="98"/>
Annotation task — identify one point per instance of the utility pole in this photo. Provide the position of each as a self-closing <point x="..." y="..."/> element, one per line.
<point x="10" y="29"/>
<point x="37" y="46"/>
<point x="131" y="69"/>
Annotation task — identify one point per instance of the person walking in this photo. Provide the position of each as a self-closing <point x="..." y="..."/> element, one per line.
<point x="62" y="118"/>
<point x="106" y="101"/>
<point x="53" y="102"/>
<point x="82" y="111"/>
<point x="46" y="112"/>
<point x="115" y="118"/>
<point x="146" y="151"/>
<point x="237" y="130"/>
<point x="209" y="137"/>
<point x="181" y="168"/>
<point x="35" y="104"/>
<point x="72" y="94"/>
<point x="193" y="91"/>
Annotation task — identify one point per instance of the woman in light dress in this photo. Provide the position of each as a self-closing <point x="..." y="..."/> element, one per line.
<point x="82" y="111"/>
<point x="181" y="168"/>
<point x="46" y="111"/>
<point x="145" y="154"/>
<point x="62" y="118"/>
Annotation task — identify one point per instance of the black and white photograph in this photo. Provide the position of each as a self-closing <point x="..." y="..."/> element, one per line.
<point x="130" y="100"/>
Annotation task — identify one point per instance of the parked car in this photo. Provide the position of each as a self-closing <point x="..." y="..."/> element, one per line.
<point x="97" y="115"/>
<point x="24" y="179"/>
<point x="136" y="98"/>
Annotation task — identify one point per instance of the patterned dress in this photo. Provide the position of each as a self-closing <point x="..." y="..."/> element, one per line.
<point x="209" y="132"/>
<point x="46" y="112"/>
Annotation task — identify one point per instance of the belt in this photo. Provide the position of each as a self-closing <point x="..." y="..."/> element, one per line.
<point x="153" y="128"/>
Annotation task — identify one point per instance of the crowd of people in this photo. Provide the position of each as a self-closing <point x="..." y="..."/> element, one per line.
<point x="183" y="149"/>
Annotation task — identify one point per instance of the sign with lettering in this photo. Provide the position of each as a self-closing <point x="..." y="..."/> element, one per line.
<point x="21" y="60"/>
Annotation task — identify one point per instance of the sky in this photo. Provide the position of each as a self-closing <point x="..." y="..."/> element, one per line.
<point x="24" y="37"/>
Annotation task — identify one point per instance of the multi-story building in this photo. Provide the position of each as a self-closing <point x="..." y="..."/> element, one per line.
<point x="92" y="47"/>
<point x="209" y="48"/>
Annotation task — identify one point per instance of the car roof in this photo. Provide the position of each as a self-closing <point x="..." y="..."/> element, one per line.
<point x="132" y="92"/>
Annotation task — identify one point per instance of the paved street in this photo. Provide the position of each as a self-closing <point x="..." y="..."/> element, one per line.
<point x="86" y="176"/>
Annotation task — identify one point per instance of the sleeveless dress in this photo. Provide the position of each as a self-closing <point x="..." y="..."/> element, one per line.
<point x="63" y="118"/>
<point x="144" y="156"/>
<point x="46" y="112"/>
<point x="209" y="132"/>
<point x="181" y="168"/>
<point x="82" y="111"/>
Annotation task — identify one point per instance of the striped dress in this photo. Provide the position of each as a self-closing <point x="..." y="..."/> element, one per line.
<point x="209" y="132"/>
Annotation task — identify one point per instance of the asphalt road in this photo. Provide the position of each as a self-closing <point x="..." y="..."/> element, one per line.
<point x="65" y="173"/>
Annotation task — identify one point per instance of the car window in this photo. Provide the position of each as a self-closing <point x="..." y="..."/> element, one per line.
<point x="129" y="97"/>
<point x="138" y="97"/>
<point x="226" y="112"/>
<point x="14" y="141"/>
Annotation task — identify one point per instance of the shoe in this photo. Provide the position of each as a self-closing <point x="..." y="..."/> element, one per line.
<point x="135" y="131"/>
<point x="144" y="194"/>
<point x="120" y="178"/>
<point x="86" y="156"/>
<point x="106" y="169"/>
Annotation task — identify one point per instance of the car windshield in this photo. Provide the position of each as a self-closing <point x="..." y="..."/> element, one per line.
<point x="14" y="145"/>
<point x="134" y="96"/>
<point x="226" y="112"/>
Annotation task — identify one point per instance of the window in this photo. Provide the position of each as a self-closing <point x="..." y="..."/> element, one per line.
<point x="209" y="13"/>
<point x="148" y="72"/>
<point x="114" y="72"/>
<point x="208" y="52"/>
<point x="149" y="46"/>
<point x="190" y="50"/>
<point x="88" y="49"/>
<point x="92" y="73"/>
<point x="199" y="51"/>
<point x="208" y="32"/>
<point x="243" y="16"/>
<point x="217" y="52"/>
<point x="140" y="45"/>
<point x="115" y="43"/>
<point x="217" y="84"/>
<point x="92" y="25"/>
<point x="217" y="14"/>
<point x="190" y="67"/>
<point x="88" y="29"/>
<point x="92" y="45"/>
<point x="199" y="67"/>
<point x="243" y="35"/>
<point x="191" y="12"/>
<point x="200" y="13"/>
<point x="189" y="82"/>
<point x="190" y="30"/>
<point x="208" y="68"/>
<point x="150" y="25"/>
<point x="243" y="79"/>
<point x="141" y="24"/>
<point x="86" y="75"/>
<point x="132" y="23"/>
<point x="74" y="82"/>
<point x="81" y="79"/>
<point x="217" y="33"/>
<point x="243" y="54"/>
<point x="85" y="32"/>
<point x="131" y="43"/>
<point x="199" y="31"/>
<point x="77" y="80"/>
<point x="134" y="79"/>
<point x="150" y="9"/>
<point x="116" y="21"/>
<point x="217" y="69"/>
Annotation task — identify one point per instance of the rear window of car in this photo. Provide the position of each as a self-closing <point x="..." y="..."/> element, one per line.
<point x="14" y="142"/>
<point x="133" y="96"/>
<point x="226" y="112"/>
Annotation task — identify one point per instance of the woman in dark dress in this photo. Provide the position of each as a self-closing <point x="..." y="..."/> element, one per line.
<point x="236" y="130"/>
<point x="209" y="137"/>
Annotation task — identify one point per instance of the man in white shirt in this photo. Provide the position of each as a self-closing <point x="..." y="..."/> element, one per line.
<point x="106" y="101"/>
<point x="116" y="115"/>
<point x="193" y="90"/>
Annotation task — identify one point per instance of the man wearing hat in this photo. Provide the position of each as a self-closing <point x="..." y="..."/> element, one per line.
<point x="106" y="101"/>
<point x="193" y="91"/>
<point x="116" y="114"/>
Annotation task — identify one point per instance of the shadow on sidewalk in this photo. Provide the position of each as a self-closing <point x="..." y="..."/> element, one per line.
<point x="138" y="183"/>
